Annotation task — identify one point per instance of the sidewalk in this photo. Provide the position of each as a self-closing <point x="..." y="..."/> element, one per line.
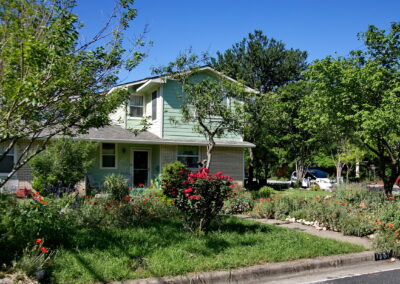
<point x="365" y="242"/>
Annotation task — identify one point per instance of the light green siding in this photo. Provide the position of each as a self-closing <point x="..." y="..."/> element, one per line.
<point x="173" y="127"/>
<point x="124" y="162"/>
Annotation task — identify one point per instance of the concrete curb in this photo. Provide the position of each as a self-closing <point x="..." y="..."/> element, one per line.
<point x="257" y="272"/>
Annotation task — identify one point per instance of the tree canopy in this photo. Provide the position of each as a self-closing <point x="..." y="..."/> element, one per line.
<point x="359" y="96"/>
<point x="51" y="83"/>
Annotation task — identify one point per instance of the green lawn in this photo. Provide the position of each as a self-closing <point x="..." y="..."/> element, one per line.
<point x="161" y="249"/>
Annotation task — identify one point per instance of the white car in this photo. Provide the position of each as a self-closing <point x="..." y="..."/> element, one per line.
<point x="314" y="176"/>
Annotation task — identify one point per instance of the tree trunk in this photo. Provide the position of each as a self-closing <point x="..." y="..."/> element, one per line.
<point x="339" y="168"/>
<point x="300" y="170"/>
<point x="210" y="148"/>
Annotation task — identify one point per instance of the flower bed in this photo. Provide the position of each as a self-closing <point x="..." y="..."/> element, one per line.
<point x="353" y="210"/>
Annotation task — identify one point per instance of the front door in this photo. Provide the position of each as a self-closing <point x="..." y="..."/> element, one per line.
<point x="140" y="167"/>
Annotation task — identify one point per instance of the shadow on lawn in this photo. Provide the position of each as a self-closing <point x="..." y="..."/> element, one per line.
<point x="153" y="235"/>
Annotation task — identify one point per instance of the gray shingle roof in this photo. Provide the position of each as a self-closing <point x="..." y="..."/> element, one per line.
<point x="118" y="134"/>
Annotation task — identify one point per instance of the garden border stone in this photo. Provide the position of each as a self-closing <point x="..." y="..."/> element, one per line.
<point x="260" y="272"/>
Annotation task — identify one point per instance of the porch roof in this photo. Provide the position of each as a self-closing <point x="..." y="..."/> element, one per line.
<point x="117" y="134"/>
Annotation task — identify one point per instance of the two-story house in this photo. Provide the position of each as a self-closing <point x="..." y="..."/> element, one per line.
<point x="141" y="156"/>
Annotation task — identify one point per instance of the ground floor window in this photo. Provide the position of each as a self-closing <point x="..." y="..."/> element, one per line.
<point x="7" y="164"/>
<point x="189" y="155"/>
<point x="108" y="156"/>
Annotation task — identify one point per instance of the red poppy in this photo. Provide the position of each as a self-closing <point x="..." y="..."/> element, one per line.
<point x="44" y="250"/>
<point x="39" y="241"/>
<point x="391" y="197"/>
<point x="362" y="215"/>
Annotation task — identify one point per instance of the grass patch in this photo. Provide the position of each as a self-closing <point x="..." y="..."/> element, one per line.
<point x="164" y="248"/>
<point x="301" y="194"/>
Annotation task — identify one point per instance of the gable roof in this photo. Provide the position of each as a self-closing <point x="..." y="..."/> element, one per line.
<point x="159" y="79"/>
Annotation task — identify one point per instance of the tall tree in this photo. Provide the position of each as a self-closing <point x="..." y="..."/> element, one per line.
<point x="50" y="83"/>
<point x="263" y="64"/>
<point x="360" y="95"/>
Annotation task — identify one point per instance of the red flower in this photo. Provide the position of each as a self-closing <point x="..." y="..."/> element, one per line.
<point x="188" y="190"/>
<point x="197" y="196"/>
<point x="232" y="185"/>
<point x="344" y="204"/>
<point x="140" y="185"/>
<point x="44" y="250"/>
<point x="362" y="215"/>
<point x="377" y="228"/>
<point x="39" y="241"/>
<point x="262" y="199"/>
<point x="191" y="197"/>
<point x="390" y="226"/>
<point x="349" y="210"/>
<point x="391" y="197"/>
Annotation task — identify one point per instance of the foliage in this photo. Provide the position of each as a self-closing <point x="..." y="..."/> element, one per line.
<point x="199" y="197"/>
<point x="263" y="192"/>
<point x="206" y="102"/>
<point x="117" y="185"/>
<point x="63" y="164"/>
<point x="34" y="258"/>
<point x="264" y="64"/>
<point x="358" y="98"/>
<point x="173" y="177"/>
<point x="41" y="54"/>
<point x="239" y="201"/>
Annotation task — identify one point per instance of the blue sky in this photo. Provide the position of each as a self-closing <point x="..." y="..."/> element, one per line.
<point x="320" y="27"/>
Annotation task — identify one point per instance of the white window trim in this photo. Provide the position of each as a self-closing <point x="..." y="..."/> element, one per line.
<point x="15" y="161"/>
<point x="101" y="157"/>
<point x="143" y="106"/>
<point x="198" y="156"/>
<point x="157" y="102"/>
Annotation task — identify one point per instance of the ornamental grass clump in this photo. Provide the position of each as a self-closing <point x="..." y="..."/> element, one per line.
<point x="199" y="196"/>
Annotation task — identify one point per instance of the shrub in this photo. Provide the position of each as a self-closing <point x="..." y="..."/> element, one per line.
<point x="356" y="224"/>
<point x="63" y="164"/>
<point x="117" y="185"/>
<point x="315" y="187"/>
<point x="199" y="197"/>
<point x="173" y="177"/>
<point x="263" y="192"/>
<point x="238" y="202"/>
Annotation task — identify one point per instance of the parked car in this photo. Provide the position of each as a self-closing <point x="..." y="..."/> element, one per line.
<point x="314" y="176"/>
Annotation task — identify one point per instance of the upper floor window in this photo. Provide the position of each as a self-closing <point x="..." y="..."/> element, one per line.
<point x="108" y="156"/>
<point x="154" y="105"/>
<point x="136" y="106"/>
<point x="7" y="164"/>
<point x="189" y="155"/>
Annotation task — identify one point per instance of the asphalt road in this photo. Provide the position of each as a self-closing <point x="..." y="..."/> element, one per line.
<point x="385" y="277"/>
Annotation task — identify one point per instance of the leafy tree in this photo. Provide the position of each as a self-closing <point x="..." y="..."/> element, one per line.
<point x="209" y="103"/>
<point x="298" y="143"/>
<point x="263" y="64"/>
<point x="50" y="83"/>
<point x="360" y="96"/>
<point x="63" y="164"/>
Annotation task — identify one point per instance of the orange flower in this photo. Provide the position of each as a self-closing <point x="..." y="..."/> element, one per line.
<point x="390" y="226"/>
<point x="378" y="222"/>
<point x="361" y="214"/>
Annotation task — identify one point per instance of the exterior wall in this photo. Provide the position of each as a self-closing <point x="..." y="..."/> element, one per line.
<point x="124" y="162"/>
<point x="228" y="160"/>
<point x="173" y="128"/>
<point x="24" y="174"/>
